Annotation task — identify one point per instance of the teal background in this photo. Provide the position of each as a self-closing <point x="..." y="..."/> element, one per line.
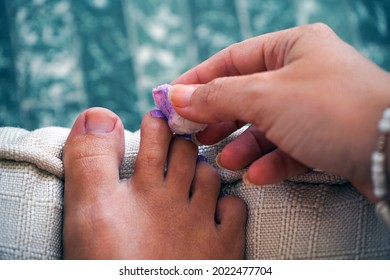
<point x="59" y="57"/>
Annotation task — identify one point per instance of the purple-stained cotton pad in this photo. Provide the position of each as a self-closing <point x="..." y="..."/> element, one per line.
<point x="176" y="123"/>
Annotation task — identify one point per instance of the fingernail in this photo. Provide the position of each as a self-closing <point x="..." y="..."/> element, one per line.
<point x="246" y="180"/>
<point x="201" y="158"/>
<point x="218" y="161"/>
<point x="180" y="95"/>
<point x="158" y="114"/>
<point x="100" y="120"/>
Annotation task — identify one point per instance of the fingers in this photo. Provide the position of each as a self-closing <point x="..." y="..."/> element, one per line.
<point x="228" y="62"/>
<point x="262" y="53"/>
<point x="233" y="98"/>
<point x="238" y="83"/>
<point x="249" y="146"/>
<point x="273" y="168"/>
<point x="93" y="154"/>
<point x="267" y="165"/>
<point x="247" y="57"/>
<point x="217" y="131"/>
<point x="153" y="152"/>
<point x="240" y="98"/>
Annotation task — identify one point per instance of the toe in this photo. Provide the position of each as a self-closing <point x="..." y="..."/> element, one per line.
<point x="153" y="152"/>
<point x="231" y="212"/>
<point x="205" y="189"/>
<point x="181" y="166"/>
<point x="93" y="154"/>
<point x="231" y="217"/>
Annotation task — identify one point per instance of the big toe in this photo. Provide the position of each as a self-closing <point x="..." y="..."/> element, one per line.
<point x="93" y="154"/>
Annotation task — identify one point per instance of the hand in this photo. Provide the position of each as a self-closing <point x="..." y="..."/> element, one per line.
<point x="313" y="101"/>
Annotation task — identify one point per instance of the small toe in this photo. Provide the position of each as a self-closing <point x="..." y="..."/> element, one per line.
<point x="231" y="220"/>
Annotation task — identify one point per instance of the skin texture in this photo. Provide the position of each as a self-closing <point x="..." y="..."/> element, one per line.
<point x="312" y="101"/>
<point x="152" y="215"/>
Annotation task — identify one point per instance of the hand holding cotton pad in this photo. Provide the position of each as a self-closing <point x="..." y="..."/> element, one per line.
<point x="176" y="123"/>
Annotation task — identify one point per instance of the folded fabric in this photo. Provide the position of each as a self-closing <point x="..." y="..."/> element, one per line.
<point x="314" y="216"/>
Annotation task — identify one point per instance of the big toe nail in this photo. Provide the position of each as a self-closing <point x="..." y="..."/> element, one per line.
<point x="93" y="154"/>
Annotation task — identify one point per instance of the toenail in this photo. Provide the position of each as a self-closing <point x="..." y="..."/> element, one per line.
<point x="190" y="137"/>
<point x="100" y="120"/>
<point x="184" y="136"/>
<point x="201" y="158"/>
<point x="158" y="114"/>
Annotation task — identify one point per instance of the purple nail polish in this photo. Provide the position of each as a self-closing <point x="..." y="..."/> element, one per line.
<point x="201" y="158"/>
<point x="177" y="123"/>
<point x="184" y="136"/>
<point x="158" y="114"/>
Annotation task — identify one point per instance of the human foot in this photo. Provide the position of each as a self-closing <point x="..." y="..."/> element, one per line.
<point x="175" y="214"/>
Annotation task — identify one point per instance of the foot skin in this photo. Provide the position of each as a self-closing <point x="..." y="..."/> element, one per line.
<point x="175" y="214"/>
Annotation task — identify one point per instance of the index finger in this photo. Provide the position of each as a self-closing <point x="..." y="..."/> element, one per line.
<point x="253" y="55"/>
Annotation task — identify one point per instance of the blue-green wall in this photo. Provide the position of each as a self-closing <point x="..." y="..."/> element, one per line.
<point x="58" y="57"/>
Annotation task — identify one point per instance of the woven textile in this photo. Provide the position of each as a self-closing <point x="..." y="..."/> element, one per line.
<point x="314" y="216"/>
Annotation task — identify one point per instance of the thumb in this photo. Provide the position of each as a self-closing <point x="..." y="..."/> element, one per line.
<point x="238" y="98"/>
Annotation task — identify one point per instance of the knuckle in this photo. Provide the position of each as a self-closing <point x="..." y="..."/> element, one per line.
<point x="85" y="147"/>
<point x="99" y="148"/>
<point x="209" y="95"/>
<point x="89" y="154"/>
<point x="319" y="29"/>
<point x="152" y="158"/>
<point x="322" y="27"/>
<point x="92" y="163"/>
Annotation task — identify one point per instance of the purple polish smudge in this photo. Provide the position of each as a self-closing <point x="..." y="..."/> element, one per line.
<point x="176" y="123"/>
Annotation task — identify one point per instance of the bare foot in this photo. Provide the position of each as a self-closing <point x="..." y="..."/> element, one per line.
<point x="153" y="215"/>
